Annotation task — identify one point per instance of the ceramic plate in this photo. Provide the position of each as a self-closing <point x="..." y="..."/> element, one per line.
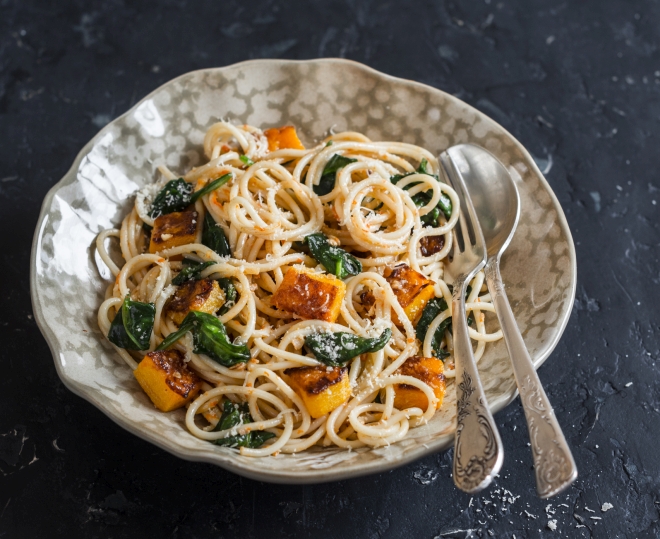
<point x="316" y="96"/>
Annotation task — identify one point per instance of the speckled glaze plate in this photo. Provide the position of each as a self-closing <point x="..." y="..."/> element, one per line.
<point x="168" y="127"/>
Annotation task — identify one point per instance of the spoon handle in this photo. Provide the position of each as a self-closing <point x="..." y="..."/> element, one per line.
<point x="553" y="462"/>
<point x="478" y="450"/>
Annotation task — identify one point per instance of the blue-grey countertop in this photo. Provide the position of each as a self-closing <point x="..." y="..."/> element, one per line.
<point x="577" y="82"/>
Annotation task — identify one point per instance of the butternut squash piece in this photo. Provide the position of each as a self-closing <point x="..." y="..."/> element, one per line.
<point x="412" y="289"/>
<point x="427" y="369"/>
<point x="322" y="389"/>
<point x="165" y="378"/>
<point x="204" y="295"/>
<point x="310" y="295"/>
<point x="283" y="137"/>
<point x="174" y="229"/>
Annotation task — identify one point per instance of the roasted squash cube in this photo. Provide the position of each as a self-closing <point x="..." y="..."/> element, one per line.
<point x="204" y="295"/>
<point x="322" y="389"/>
<point x="167" y="380"/>
<point x="174" y="229"/>
<point x="283" y="137"/>
<point x="310" y="295"/>
<point x="412" y="289"/>
<point x="427" y="369"/>
<point x="429" y="245"/>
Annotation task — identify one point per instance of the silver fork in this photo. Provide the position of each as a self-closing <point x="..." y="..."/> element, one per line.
<point x="478" y="450"/>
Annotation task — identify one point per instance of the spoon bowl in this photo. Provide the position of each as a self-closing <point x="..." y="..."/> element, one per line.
<point x="494" y="196"/>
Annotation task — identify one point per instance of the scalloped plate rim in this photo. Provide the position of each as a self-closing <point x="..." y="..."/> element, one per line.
<point x="307" y="477"/>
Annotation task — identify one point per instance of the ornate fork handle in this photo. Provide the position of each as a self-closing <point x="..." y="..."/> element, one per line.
<point x="553" y="463"/>
<point x="478" y="449"/>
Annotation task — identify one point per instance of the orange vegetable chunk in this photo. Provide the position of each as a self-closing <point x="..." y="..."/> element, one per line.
<point x="427" y="369"/>
<point x="322" y="389"/>
<point x="310" y="295"/>
<point x="280" y="138"/>
<point x="412" y="289"/>
<point x="174" y="229"/>
<point x="166" y="379"/>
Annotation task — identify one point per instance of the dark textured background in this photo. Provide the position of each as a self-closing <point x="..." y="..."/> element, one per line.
<point x="577" y="82"/>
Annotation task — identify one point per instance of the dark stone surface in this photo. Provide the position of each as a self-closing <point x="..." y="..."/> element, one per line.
<point x="577" y="82"/>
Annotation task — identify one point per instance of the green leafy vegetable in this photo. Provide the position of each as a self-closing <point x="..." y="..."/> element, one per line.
<point x="433" y="308"/>
<point x="327" y="183"/>
<point x="235" y="415"/>
<point x="132" y="325"/>
<point x="231" y="295"/>
<point x="246" y="160"/>
<point x="210" y="338"/>
<point x="175" y="196"/>
<point x="337" y="349"/>
<point x="210" y="187"/>
<point x="334" y="259"/>
<point x="329" y="143"/>
<point x="424" y="197"/>
<point x="214" y="237"/>
<point x="192" y="272"/>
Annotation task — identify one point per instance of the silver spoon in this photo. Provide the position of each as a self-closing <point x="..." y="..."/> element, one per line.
<point x="497" y="204"/>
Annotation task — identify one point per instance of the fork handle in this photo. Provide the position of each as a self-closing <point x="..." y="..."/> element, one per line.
<point x="553" y="462"/>
<point x="478" y="450"/>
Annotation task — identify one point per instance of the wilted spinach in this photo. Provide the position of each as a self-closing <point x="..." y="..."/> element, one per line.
<point x="214" y="237"/>
<point x="210" y="187"/>
<point x="432" y="309"/>
<point x="231" y="295"/>
<point x="424" y="197"/>
<point x="235" y="415"/>
<point x="334" y="259"/>
<point x="178" y="194"/>
<point x="209" y="338"/>
<point x="337" y="349"/>
<point x="246" y="160"/>
<point x="175" y="196"/>
<point x="191" y="272"/>
<point x="132" y="325"/>
<point x="327" y="182"/>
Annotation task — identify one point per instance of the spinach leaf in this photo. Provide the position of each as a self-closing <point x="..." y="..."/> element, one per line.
<point x="327" y="183"/>
<point x="423" y="198"/>
<point x="334" y="259"/>
<point x="210" y="187"/>
<point x="231" y="295"/>
<point x="132" y="325"/>
<point x="191" y="272"/>
<point x="214" y="237"/>
<point x="433" y="308"/>
<point x="175" y="196"/>
<point x="246" y="160"/>
<point x="209" y="338"/>
<point x="337" y="349"/>
<point x="234" y="415"/>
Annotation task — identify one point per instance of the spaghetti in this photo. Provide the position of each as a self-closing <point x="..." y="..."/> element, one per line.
<point x="370" y="207"/>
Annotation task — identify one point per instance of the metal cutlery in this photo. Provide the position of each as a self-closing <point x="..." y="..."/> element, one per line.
<point x="497" y="204"/>
<point x="478" y="450"/>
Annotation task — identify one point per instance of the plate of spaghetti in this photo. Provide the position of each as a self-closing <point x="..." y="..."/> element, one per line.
<point x="257" y="253"/>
